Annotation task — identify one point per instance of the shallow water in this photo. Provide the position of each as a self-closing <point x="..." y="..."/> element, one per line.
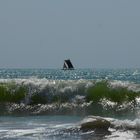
<point x="40" y="127"/>
<point x="60" y="127"/>
<point x="60" y="114"/>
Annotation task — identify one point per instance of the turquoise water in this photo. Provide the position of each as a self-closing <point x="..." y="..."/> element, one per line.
<point x="51" y="103"/>
<point x="58" y="74"/>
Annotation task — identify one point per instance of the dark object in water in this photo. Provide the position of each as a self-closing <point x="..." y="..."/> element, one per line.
<point x="95" y="123"/>
<point x="68" y="65"/>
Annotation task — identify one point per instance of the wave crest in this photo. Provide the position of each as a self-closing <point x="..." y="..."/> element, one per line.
<point x="43" y="91"/>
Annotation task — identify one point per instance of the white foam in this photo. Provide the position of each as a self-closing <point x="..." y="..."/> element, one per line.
<point x="63" y="85"/>
<point x="125" y="124"/>
<point x="125" y="84"/>
<point x="136" y="72"/>
<point x="15" y="133"/>
<point x="121" y="135"/>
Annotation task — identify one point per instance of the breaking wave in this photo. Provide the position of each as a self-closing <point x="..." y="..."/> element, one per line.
<point x="42" y="95"/>
<point x="34" y="91"/>
<point x="124" y="124"/>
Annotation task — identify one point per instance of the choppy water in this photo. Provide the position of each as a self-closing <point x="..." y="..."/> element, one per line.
<point x="50" y="103"/>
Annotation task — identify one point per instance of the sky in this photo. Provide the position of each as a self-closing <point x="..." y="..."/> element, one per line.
<point x="92" y="33"/>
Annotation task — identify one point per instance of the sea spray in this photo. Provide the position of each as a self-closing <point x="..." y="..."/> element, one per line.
<point x="36" y="96"/>
<point x="43" y="90"/>
<point x="49" y="91"/>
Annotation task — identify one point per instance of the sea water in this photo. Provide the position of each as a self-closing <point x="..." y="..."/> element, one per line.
<point x="51" y="103"/>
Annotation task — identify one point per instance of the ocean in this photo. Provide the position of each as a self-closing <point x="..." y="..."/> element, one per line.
<point x="51" y="104"/>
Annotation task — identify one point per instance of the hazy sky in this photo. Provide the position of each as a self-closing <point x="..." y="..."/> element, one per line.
<point x="93" y="33"/>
